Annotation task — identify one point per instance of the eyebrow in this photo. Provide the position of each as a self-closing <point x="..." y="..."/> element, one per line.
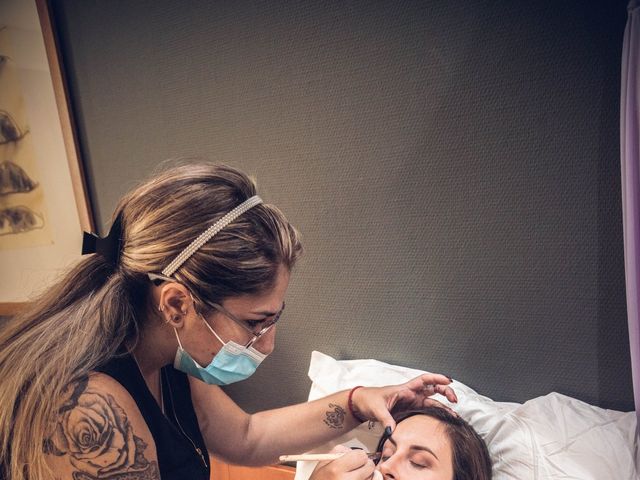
<point x="268" y="313"/>
<point x="264" y="313"/>
<point x="416" y="447"/>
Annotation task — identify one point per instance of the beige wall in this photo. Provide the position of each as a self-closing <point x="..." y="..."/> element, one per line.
<point x="25" y="270"/>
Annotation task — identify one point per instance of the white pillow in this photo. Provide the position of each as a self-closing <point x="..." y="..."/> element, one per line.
<point x="548" y="438"/>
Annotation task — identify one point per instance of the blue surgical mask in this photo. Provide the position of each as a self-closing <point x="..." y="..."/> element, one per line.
<point x="231" y="364"/>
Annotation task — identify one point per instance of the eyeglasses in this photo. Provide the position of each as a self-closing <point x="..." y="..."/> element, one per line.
<point x="254" y="335"/>
<point x="158" y="279"/>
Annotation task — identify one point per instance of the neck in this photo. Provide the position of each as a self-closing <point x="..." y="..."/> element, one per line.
<point x="151" y="353"/>
<point x="156" y="347"/>
<point x="154" y="384"/>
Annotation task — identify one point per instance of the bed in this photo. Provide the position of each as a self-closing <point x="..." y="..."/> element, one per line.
<point x="551" y="437"/>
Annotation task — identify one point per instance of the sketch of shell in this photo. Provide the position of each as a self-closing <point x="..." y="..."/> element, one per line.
<point x="19" y="219"/>
<point x="9" y="129"/>
<point x="13" y="179"/>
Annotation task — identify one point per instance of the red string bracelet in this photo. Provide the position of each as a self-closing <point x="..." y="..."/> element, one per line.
<point x="354" y="414"/>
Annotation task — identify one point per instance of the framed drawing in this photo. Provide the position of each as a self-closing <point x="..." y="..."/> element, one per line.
<point x="43" y="196"/>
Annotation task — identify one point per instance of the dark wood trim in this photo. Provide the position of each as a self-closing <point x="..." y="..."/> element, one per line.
<point x="76" y="168"/>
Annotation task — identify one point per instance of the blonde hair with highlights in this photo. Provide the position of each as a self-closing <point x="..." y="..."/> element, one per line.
<point x="95" y="310"/>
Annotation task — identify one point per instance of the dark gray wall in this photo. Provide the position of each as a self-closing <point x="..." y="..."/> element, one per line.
<point x="453" y="167"/>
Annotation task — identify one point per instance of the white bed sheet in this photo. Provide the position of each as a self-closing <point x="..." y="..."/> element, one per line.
<point x="553" y="437"/>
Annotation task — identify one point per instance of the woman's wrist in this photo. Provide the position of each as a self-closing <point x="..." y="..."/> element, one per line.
<point x="350" y="405"/>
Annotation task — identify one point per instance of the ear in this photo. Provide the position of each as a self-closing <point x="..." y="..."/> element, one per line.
<point x="174" y="303"/>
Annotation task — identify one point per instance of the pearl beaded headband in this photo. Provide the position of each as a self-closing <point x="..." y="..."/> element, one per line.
<point x="209" y="233"/>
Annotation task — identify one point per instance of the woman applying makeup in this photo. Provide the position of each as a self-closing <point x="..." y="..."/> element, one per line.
<point x="115" y="371"/>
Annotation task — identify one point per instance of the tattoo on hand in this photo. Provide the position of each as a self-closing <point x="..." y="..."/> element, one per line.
<point x="94" y="431"/>
<point x="335" y="418"/>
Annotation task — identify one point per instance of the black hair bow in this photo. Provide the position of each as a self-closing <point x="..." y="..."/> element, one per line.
<point x="109" y="246"/>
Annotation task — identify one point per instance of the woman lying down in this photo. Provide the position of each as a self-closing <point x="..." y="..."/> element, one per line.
<point x="427" y="444"/>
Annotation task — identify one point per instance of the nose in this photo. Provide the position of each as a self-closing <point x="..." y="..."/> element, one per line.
<point x="267" y="342"/>
<point x="387" y="468"/>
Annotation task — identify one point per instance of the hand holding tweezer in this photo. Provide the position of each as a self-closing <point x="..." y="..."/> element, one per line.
<point x="319" y="457"/>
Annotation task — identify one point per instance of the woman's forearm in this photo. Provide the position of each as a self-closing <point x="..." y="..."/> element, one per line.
<point x="259" y="439"/>
<point x="297" y="428"/>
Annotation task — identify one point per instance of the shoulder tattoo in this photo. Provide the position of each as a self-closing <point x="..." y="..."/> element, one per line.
<point x="93" y="431"/>
<point x="335" y="418"/>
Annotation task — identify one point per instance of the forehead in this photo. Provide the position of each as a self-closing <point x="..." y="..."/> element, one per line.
<point x="424" y="431"/>
<point x="269" y="300"/>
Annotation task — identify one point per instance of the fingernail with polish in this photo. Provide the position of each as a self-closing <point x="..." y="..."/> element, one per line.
<point x="387" y="432"/>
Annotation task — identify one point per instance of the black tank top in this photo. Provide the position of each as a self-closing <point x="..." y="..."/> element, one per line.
<point x="182" y="454"/>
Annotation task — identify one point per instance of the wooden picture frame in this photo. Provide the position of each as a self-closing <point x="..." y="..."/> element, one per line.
<point x="67" y="123"/>
<point x="68" y="132"/>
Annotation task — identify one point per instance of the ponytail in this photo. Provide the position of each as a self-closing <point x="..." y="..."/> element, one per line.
<point x="72" y="329"/>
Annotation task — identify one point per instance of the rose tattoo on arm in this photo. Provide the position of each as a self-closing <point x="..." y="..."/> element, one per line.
<point x="95" y="433"/>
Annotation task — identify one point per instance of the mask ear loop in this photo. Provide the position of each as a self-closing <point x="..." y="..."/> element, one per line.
<point x="177" y="337"/>
<point x="205" y="322"/>
<point x="211" y="329"/>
